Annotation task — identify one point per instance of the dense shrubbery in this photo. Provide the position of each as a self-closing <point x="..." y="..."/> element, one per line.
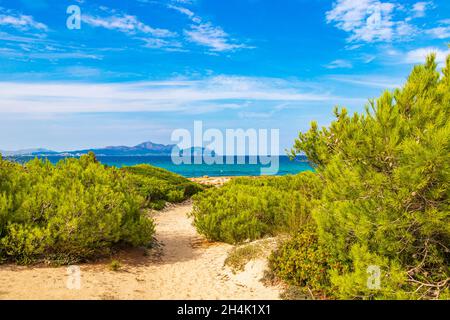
<point x="384" y="179"/>
<point x="159" y="186"/>
<point x="385" y="198"/>
<point x="248" y="208"/>
<point x="302" y="262"/>
<point x="75" y="209"/>
<point x="78" y="208"/>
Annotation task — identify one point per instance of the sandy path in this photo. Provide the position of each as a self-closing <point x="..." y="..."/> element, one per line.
<point x="189" y="268"/>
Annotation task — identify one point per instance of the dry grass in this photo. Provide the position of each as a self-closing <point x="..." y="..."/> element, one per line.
<point x="241" y="255"/>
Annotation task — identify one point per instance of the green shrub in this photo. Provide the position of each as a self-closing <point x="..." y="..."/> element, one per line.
<point x="249" y="208"/>
<point x="379" y="197"/>
<point x="77" y="208"/>
<point x="158" y="186"/>
<point x="175" y="196"/>
<point x="302" y="262"/>
<point x="385" y="201"/>
<point x="115" y="265"/>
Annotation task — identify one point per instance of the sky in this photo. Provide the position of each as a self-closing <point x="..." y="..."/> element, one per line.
<point x="136" y="70"/>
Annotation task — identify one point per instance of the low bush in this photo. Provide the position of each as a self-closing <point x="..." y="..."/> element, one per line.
<point x="158" y="186"/>
<point x="115" y="265"/>
<point x="249" y="208"/>
<point x="302" y="262"/>
<point x="385" y="204"/>
<point x="378" y="201"/>
<point x="76" y="209"/>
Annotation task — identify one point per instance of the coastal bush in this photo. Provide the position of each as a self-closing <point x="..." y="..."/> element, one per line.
<point x="158" y="186"/>
<point x="385" y="200"/>
<point x="302" y="262"/>
<point x="249" y="208"/>
<point x="76" y="209"/>
<point x="378" y="199"/>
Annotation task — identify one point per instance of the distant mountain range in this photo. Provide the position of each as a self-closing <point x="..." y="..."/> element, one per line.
<point x="143" y="149"/>
<point x="25" y="152"/>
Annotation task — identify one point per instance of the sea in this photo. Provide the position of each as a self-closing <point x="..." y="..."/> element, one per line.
<point x="286" y="165"/>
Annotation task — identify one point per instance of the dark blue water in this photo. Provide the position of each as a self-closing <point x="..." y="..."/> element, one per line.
<point x="286" y="166"/>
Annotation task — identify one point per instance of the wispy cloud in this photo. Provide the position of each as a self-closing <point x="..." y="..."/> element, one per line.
<point x="419" y="9"/>
<point x="339" y="64"/>
<point x="26" y="39"/>
<point x="209" y="94"/>
<point x="213" y="37"/>
<point x="206" y="34"/>
<point x="182" y="10"/>
<point x="369" y="20"/>
<point x="153" y="38"/>
<point x="439" y="32"/>
<point x="26" y="48"/>
<point x="261" y="114"/>
<point x="20" y="21"/>
<point x="168" y="45"/>
<point x="370" y="81"/>
<point x="125" y="23"/>
<point x="442" y="31"/>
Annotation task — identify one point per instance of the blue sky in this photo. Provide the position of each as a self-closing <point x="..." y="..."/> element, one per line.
<point x="138" y="69"/>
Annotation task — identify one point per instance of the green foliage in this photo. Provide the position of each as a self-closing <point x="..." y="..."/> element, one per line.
<point x="302" y="262"/>
<point x="158" y="186"/>
<point x="354" y="281"/>
<point x="115" y="265"/>
<point x="385" y="200"/>
<point x="248" y="208"/>
<point x="379" y="197"/>
<point x="77" y="208"/>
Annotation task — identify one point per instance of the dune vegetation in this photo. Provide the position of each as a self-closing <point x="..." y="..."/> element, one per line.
<point x="79" y="209"/>
<point x="377" y="200"/>
<point x="158" y="186"/>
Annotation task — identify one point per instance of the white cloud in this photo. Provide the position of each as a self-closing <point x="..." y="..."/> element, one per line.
<point x="182" y="10"/>
<point x="23" y="39"/>
<point x="20" y="21"/>
<point x="209" y="94"/>
<point x="419" y="8"/>
<point x="185" y="1"/>
<point x="127" y="24"/>
<point x="371" y="81"/>
<point x="30" y="51"/>
<point x="337" y="64"/>
<point x="206" y="34"/>
<point x="442" y="31"/>
<point x="167" y="45"/>
<point x="419" y="55"/>
<point x="263" y="115"/>
<point x="367" y="58"/>
<point x="368" y="20"/>
<point x="439" y="32"/>
<point x="213" y="37"/>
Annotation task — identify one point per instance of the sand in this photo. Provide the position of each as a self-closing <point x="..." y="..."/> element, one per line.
<point x="185" y="267"/>
<point x="212" y="181"/>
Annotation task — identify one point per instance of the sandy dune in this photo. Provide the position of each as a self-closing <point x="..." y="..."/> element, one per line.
<point x="187" y="267"/>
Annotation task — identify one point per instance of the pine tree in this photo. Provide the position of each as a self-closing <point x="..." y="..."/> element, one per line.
<point x="385" y="200"/>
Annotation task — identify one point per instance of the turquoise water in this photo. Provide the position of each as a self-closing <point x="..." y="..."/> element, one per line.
<point x="286" y="166"/>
